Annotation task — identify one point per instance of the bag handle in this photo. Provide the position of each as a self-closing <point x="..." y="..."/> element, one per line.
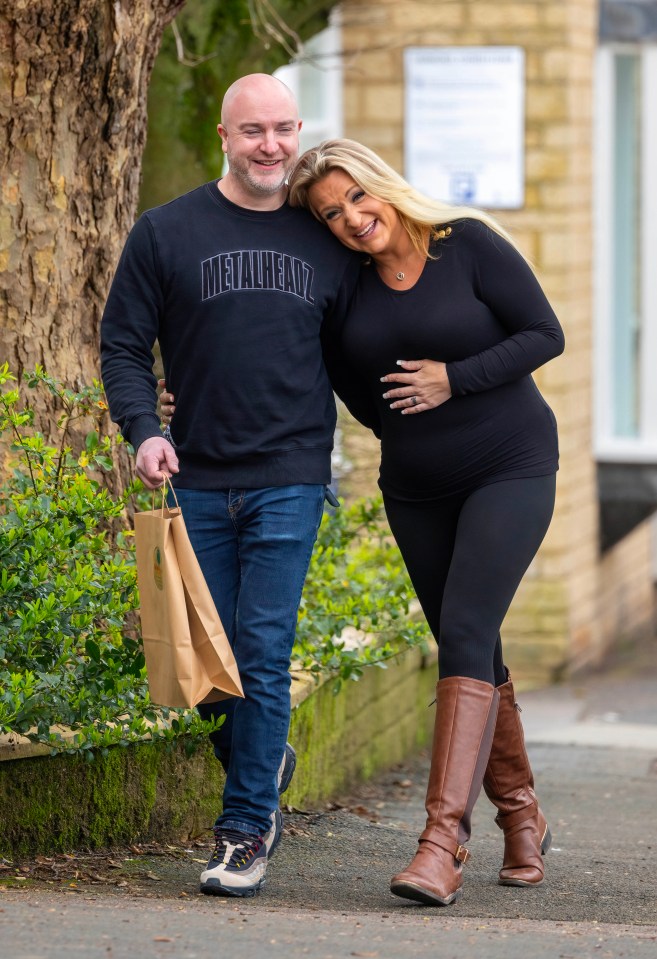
<point x="163" y="488"/>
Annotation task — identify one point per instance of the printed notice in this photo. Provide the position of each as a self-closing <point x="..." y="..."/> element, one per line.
<point x="464" y="124"/>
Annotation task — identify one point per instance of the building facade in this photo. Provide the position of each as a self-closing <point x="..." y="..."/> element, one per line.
<point x="586" y="219"/>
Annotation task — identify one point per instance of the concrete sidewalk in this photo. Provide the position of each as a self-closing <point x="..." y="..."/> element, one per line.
<point x="615" y="708"/>
<point x="593" y="745"/>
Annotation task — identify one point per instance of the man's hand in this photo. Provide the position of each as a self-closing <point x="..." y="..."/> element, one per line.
<point x="167" y="403"/>
<point x="156" y="458"/>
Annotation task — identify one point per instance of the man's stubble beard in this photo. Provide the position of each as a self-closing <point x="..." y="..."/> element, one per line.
<point x="265" y="187"/>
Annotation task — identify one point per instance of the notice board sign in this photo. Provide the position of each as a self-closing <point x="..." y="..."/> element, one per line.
<point x="464" y="124"/>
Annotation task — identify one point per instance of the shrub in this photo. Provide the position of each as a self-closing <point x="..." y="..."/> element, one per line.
<point x="357" y="604"/>
<point x="70" y="654"/>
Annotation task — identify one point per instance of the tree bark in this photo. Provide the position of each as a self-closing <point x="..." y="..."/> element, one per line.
<point x="73" y="85"/>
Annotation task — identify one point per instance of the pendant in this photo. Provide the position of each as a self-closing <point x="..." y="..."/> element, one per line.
<point x="400" y="275"/>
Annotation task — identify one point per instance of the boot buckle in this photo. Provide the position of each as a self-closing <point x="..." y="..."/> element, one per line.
<point x="462" y="854"/>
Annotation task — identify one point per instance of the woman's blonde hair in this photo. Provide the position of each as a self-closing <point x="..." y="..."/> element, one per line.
<point x="419" y="214"/>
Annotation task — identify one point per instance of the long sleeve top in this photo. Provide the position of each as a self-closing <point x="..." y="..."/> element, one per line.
<point x="236" y="299"/>
<point x="477" y="307"/>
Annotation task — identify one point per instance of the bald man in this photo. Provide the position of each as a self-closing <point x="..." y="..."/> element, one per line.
<point x="235" y="285"/>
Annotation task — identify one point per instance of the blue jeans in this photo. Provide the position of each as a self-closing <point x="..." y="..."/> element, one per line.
<point x="254" y="547"/>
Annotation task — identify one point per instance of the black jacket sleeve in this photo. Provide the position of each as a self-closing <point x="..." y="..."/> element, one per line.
<point x="346" y="381"/>
<point x="506" y="283"/>
<point x="129" y="329"/>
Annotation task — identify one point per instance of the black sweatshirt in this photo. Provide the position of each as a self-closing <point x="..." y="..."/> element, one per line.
<point x="478" y="308"/>
<point x="236" y="299"/>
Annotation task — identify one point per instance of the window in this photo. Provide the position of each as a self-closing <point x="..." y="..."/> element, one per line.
<point x="626" y="255"/>
<point x="316" y="80"/>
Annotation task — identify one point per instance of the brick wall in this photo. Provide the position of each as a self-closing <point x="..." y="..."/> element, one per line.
<point x="570" y="606"/>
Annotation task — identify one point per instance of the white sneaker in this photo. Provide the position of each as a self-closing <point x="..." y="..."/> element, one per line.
<point x="273" y="835"/>
<point x="238" y="864"/>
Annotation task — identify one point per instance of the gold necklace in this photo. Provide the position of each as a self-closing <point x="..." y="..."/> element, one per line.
<point x="400" y="274"/>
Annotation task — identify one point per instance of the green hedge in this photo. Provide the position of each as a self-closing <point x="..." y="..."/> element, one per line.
<point x="70" y="653"/>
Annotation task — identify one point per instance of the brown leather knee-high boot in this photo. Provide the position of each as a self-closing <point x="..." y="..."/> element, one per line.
<point x="509" y="784"/>
<point x="466" y="711"/>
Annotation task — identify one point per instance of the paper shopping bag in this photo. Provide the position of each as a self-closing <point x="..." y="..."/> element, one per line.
<point x="188" y="656"/>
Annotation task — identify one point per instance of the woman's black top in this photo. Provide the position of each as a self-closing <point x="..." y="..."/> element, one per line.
<point x="479" y="308"/>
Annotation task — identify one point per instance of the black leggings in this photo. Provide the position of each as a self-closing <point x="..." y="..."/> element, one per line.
<point x="466" y="556"/>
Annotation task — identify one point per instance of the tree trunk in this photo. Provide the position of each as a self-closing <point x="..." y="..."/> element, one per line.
<point x="73" y="84"/>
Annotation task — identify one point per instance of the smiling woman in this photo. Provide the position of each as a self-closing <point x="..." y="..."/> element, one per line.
<point x="367" y="224"/>
<point x="467" y="469"/>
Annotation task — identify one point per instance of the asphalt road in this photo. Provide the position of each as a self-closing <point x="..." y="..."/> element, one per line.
<point x="594" y="752"/>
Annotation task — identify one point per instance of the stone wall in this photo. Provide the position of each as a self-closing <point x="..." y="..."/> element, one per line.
<point x="571" y="603"/>
<point x="145" y="792"/>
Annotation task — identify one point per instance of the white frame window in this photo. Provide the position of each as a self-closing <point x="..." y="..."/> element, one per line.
<point x="625" y="281"/>
<point x="315" y="78"/>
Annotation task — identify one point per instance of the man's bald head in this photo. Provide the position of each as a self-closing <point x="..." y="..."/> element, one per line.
<point x="254" y="88"/>
<point x="259" y="131"/>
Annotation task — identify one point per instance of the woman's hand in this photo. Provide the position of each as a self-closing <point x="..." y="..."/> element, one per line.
<point x="423" y="386"/>
<point x="167" y="407"/>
